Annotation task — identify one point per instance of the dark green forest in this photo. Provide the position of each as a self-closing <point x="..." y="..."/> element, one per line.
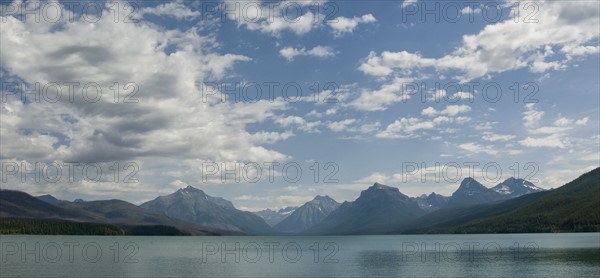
<point x="55" y="227"/>
<point x="23" y="226"/>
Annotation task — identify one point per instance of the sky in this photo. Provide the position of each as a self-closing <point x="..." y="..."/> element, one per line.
<point x="268" y="104"/>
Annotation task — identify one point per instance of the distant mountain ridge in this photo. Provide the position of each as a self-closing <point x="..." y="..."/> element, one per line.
<point x="306" y="216"/>
<point x="17" y="204"/>
<point x="432" y="201"/>
<point x="274" y="217"/>
<point x="513" y="205"/>
<point x="193" y="205"/>
<point x="378" y="208"/>
<point x="48" y="199"/>
<point x="471" y="192"/>
<point x="572" y="207"/>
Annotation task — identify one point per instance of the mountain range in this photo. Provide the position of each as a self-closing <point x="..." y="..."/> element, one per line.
<point x="308" y="215"/>
<point x="129" y="217"/>
<point x="514" y="205"/>
<point x="274" y="217"/>
<point x="193" y="205"/>
<point x="572" y="207"/>
<point x="471" y="192"/>
<point x="378" y="208"/>
<point x="516" y="187"/>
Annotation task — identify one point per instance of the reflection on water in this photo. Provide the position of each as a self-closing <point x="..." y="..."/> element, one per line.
<point x="512" y="255"/>
<point x="543" y="263"/>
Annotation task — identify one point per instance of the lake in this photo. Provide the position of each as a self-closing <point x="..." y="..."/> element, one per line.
<point x="497" y="255"/>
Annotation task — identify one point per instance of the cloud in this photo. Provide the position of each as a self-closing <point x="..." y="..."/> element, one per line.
<point x="551" y="141"/>
<point x="409" y="127"/>
<point x="463" y="95"/>
<point x="450" y="110"/>
<point x="290" y="120"/>
<point x="555" y="177"/>
<point x="340" y="125"/>
<point x="272" y="19"/>
<point x="573" y="50"/>
<point x="556" y="135"/>
<point x="172" y="9"/>
<point x="279" y="201"/>
<point x="378" y="177"/>
<point x="344" y="25"/>
<point x="319" y="51"/>
<point x="582" y="121"/>
<point x="462" y="119"/>
<point x="384" y="64"/>
<point x="549" y="130"/>
<point x="506" y="46"/>
<point x="531" y="116"/>
<point x="467" y="10"/>
<point x="380" y="99"/>
<point x="493" y="137"/>
<point x="406" y="128"/>
<point x="367" y="128"/>
<point x="484" y="126"/>
<point x="406" y="3"/>
<point x="565" y="122"/>
<point x="171" y="123"/>
<point x="299" y="123"/>
<point x="264" y="137"/>
<point x="477" y="148"/>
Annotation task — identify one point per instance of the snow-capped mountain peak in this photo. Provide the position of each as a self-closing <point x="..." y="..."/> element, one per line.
<point x="513" y="187"/>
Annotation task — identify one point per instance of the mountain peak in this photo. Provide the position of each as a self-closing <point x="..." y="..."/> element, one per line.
<point x="193" y="205"/>
<point x="377" y="207"/>
<point x="48" y="199"/>
<point x="192" y="190"/>
<point x="379" y="189"/>
<point x="323" y="201"/>
<point x="514" y="187"/>
<point x="470" y="183"/>
<point x="470" y="187"/>
<point x="471" y="192"/>
<point x="320" y="198"/>
<point x="307" y="215"/>
<point x="267" y="210"/>
<point x="469" y="179"/>
<point x="287" y="210"/>
<point x="381" y="186"/>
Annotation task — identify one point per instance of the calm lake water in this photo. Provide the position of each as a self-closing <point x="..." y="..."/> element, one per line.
<point x="509" y="255"/>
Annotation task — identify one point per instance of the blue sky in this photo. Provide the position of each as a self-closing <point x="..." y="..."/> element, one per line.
<point x="370" y="56"/>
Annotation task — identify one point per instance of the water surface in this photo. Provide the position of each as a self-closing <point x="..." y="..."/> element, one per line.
<point x="506" y="255"/>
